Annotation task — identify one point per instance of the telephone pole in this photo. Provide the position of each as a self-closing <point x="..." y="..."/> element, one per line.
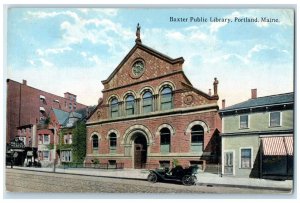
<point x="54" y="146"/>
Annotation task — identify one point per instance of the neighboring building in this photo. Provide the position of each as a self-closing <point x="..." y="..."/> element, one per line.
<point x="151" y="114"/>
<point x="257" y="137"/>
<point x="59" y="132"/>
<point x="28" y="110"/>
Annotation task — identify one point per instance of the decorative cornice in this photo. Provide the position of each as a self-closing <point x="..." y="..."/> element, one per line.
<point x="159" y="113"/>
<point x="258" y="132"/>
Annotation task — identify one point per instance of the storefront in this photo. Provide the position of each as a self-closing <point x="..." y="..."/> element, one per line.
<point x="277" y="156"/>
<point x="19" y="155"/>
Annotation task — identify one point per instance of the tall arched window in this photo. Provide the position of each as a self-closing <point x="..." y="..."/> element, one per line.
<point x="112" y="143"/>
<point x="147" y="102"/>
<point x="95" y="142"/>
<point x="114" y="108"/>
<point x="165" y="137"/>
<point x="129" y="105"/>
<point x="197" y="137"/>
<point x="166" y="98"/>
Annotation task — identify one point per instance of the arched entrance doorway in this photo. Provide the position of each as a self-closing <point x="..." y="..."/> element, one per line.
<point x="140" y="150"/>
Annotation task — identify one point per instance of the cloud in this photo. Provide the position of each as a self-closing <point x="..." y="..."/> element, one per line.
<point x="257" y="48"/>
<point x="95" y="59"/>
<point x="104" y="32"/>
<point x="105" y="11"/>
<point x="45" y="62"/>
<point x="84" y="54"/>
<point x="43" y="14"/>
<point x="52" y="51"/>
<point x="236" y="57"/>
<point x="198" y="36"/>
<point x="31" y="62"/>
<point x="175" y="35"/>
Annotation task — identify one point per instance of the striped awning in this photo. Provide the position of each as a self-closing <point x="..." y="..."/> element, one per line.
<point x="277" y="146"/>
<point x="289" y="145"/>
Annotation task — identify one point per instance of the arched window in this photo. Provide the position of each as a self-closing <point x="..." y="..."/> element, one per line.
<point x="129" y="105"/>
<point x="166" y="98"/>
<point x="112" y="143"/>
<point x="114" y="108"/>
<point x="197" y="137"/>
<point x="165" y="137"/>
<point x="147" y="102"/>
<point x="95" y="142"/>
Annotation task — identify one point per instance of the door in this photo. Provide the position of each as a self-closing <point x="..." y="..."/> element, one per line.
<point x="138" y="148"/>
<point x="228" y="163"/>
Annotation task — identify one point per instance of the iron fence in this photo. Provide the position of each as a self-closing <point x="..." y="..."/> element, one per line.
<point x="66" y="165"/>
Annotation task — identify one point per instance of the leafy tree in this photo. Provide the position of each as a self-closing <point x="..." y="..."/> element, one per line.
<point x="79" y="142"/>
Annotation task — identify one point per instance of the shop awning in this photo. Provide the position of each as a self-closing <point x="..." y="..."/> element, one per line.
<point x="289" y="145"/>
<point x="277" y="146"/>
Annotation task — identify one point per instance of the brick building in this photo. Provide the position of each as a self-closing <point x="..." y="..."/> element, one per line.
<point x="150" y="114"/>
<point x="59" y="131"/>
<point x="28" y="109"/>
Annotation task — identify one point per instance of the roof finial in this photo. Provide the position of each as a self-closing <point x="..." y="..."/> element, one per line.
<point x="216" y="82"/>
<point x="138" y="37"/>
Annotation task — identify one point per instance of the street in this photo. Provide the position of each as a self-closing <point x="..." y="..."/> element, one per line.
<point x="33" y="181"/>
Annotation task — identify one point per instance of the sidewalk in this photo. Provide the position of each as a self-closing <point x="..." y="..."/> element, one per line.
<point x="203" y="179"/>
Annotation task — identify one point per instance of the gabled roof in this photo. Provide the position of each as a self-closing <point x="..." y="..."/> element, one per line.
<point x="148" y="50"/>
<point x="263" y="101"/>
<point x="75" y="115"/>
<point x="61" y="115"/>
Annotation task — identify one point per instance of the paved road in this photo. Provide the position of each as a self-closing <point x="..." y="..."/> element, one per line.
<point x="32" y="181"/>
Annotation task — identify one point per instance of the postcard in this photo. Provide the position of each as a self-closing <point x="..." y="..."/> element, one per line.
<point x="142" y="100"/>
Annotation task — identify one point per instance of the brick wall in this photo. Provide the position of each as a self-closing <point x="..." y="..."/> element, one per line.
<point x="23" y="106"/>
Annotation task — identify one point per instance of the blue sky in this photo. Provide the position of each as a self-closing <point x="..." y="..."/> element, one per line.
<point x="74" y="49"/>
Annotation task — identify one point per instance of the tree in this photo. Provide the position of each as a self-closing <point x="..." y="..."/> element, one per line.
<point x="79" y="142"/>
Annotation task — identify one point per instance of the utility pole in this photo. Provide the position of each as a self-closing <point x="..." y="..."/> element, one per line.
<point x="54" y="148"/>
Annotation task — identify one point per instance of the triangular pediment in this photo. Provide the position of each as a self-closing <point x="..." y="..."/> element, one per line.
<point x="149" y="56"/>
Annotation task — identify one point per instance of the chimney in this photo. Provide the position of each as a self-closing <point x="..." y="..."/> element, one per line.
<point x="253" y="93"/>
<point x="209" y="92"/>
<point x="24" y="82"/>
<point x="87" y="111"/>
<point x="223" y="104"/>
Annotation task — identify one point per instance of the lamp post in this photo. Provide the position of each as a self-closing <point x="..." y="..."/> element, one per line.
<point x="11" y="158"/>
<point x="54" y="146"/>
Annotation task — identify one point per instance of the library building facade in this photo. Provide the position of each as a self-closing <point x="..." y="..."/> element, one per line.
<point x="151" y="116"/>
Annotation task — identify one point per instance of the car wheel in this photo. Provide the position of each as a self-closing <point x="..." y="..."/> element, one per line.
<point x="152" y="177"/>
<point x="188" y="180"/>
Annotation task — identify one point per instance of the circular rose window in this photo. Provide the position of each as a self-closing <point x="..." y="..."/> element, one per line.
<point x="138" y="69"/>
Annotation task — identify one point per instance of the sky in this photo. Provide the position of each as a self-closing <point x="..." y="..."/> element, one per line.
<point x="73" y="49"/>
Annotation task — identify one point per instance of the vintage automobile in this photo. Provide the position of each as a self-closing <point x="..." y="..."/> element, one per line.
<point x="187" y="176"/>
